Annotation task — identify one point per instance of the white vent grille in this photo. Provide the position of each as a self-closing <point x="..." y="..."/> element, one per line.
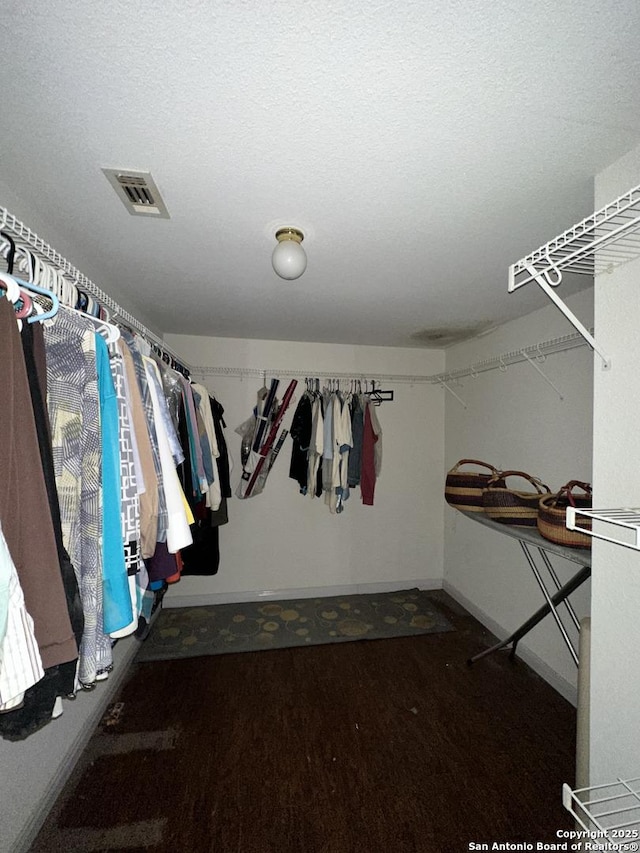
<point x="138" y="192"/>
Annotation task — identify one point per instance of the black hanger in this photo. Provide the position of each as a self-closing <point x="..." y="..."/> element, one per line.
<point x="12" y="251"/>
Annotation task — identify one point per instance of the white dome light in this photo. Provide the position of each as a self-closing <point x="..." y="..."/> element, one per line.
<point x="289" y="259"/>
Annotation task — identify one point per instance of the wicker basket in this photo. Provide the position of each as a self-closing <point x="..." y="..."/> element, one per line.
<point x="552" y="516"/>
<point x="463" y="489"/>
<point x="509" y="506"/>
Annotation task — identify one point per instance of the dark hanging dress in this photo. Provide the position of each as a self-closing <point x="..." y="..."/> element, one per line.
<point x="301" y="434"/>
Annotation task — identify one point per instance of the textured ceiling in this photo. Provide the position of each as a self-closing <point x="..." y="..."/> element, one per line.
<point x="421" y="146"/>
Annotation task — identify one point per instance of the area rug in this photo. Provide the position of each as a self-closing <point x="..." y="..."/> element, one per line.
<point x="249" y="626"/>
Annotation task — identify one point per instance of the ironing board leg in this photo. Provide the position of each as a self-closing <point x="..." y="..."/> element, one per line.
<point x="571" y="585"/>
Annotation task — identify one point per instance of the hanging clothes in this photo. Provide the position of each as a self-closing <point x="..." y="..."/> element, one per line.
<point x="199" y="483"/>
<point x="357" y="431"/>
<point x="203" y="557"/>
<point x="129" y="498"/>
<point x="341" y="439"/>
<point x="300" y="432"/>
<point x="34" y="556"/>
<point x="89" y="491"/>
<point x="117" y="611"/>
<point x="148" y="490"/>
<point x="74" y="414"/>
<point x="145" y="395"/>
<point x="33" y="348"/>
<point x="23" y="499"/>
<point x="20" y="660"/>
<point x="316" y="448"/>
<point x="178" y="534"/>
<point x="337" y="445"/>
<point x="371" y="454"/>
<point x="223" y="461"/>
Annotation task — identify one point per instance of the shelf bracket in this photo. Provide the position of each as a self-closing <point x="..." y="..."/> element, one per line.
<point x="452" y="392"/>
<point x="542" y="373"/>
<point x="543" y="281"/>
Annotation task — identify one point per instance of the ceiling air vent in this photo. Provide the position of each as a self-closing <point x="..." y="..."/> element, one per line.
<point x="138" y="192"/>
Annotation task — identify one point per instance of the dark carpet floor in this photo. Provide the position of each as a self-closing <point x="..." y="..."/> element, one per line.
<point x="362" y="747"/>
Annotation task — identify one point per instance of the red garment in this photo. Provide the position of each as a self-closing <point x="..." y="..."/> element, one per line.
<point x="368" y="468"/>
<point x="175" y="578"/>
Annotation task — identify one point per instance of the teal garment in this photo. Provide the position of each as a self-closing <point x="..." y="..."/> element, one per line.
<point x="115" y="584"/>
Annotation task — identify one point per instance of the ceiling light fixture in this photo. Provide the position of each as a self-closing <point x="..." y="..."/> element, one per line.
<point x="289" y="259"/>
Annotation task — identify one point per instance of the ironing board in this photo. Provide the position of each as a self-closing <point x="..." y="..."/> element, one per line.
<point x="531" y="542"/>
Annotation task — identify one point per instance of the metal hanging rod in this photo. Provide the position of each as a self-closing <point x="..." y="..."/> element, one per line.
<point x="241" y="372"/>
<point x="13" y="226"/>
<point x="536" y="352"/>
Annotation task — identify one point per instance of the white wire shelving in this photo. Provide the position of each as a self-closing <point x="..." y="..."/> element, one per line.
<point x="538" y="352"/>
<point x="620" y="526"/>
<point x="599" y="243"/>
<point x="611" y="811"/>
<point x="11" y="225"/>
<point x="535" y="352"/>
<point x="242" y="372"/>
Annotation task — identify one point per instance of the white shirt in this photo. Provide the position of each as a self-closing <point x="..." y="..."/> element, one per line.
<point x="214" y="493"/>
<point x="20" y="661"/>
<point x="178" y="532"/>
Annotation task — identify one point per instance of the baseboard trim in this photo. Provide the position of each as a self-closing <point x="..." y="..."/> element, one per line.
<point x="174" y="599"/>
<point x="537" y="664"/>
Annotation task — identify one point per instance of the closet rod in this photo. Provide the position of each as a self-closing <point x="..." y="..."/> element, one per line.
<point x="501" y="362"/>
<point x="12" y="225"/>
<point x="241" y="372"/>
<point x="535" y="351"/>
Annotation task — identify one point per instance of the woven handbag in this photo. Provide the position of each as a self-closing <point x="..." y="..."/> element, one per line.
<point x="552" y="516"/>
<point x="463" y="489"/>
<point x="509" y="506"/>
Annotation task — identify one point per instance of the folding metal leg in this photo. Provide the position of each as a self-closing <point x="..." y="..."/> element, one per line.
<point x="550" y="607"/>
<point x="554" y="577"/>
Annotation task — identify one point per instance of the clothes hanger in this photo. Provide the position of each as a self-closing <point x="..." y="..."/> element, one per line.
<point x="11" y="287"/>
<point x="10" y="251"/>
<point x="81" y="301"/>
<point x="14" y="295"/>
<point x="34" y="288"/>
<point x="109" y="332"/>
<point x="26" y="309"/>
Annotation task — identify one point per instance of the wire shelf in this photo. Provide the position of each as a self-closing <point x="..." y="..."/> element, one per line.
<point x="241" y="372"/>
<point x="500" y="362"/>
<point x="611" y="810"/>
<point x="13" y="226"/>
<point x="599" y="243"/>
<point x="605" y="240"/>
<point x="620" y="526"/>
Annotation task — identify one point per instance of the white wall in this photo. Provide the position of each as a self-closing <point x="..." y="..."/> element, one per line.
<point x="615" y="638"/>
<point x="515" y="420"/>
<point x="282" y="542"/>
